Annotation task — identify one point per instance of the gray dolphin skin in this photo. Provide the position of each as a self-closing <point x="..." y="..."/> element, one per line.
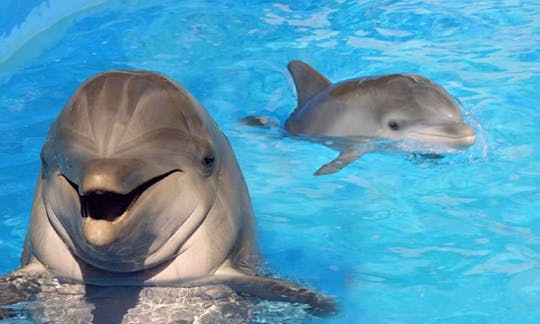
<point x="139" y="187"/>
<point x="406" y="108"/>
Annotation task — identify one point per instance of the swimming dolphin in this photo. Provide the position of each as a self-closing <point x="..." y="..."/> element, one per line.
<point x="139" y="187"/>
<point x="405" y="108"/>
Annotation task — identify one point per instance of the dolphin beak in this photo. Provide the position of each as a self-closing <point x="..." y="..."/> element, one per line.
<point x="111" y="175"/>
<point x="453" y="135"/>
<point x="107" y="191"/>
<point x="103" y="210"/>
<point x="105" y="203"/>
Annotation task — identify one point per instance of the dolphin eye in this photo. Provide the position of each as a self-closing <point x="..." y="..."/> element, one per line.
<point x="208" y="161"/>
<point x="393" y="125"/>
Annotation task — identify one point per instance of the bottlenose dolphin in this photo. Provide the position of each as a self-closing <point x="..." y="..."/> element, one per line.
<point x="353" y="116"/>
<point x="139" y="187"/>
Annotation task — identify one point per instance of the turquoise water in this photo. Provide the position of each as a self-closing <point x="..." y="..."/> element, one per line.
<point x="397" y="239"/>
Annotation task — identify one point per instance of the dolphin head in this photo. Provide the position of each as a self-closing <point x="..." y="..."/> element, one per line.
<point x="419" y="110"/>
<point x="129" y="170"/>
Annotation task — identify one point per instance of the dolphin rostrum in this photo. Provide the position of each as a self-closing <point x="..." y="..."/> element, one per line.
<point x="351" y="114"/>
<point x="139" y="187"/>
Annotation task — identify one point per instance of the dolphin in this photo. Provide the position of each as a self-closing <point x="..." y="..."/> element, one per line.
<point x="359" y="115"/>
<point x="139" y="187"/>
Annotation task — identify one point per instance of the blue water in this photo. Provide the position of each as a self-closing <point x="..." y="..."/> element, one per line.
<point x="397" y="239"/>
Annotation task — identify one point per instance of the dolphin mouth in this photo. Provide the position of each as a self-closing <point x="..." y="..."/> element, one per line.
<point x="107" y="206"/>
<point x="110" y="206"/>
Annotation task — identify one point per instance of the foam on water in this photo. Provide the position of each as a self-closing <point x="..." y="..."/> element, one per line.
<point x="396" y="238"/>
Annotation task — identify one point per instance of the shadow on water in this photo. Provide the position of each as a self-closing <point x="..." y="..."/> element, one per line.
<point x="111" y="303"/>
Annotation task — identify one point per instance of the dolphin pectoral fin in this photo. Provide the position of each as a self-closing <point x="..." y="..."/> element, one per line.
<point x="15" y="287"/>
<point x="274" y="289"/>
<point x="33" y="266"/>
<point x="284" y="291"/>
<point x="260" y="121"/>
<point x="345" y="158"/>
<point x="10" y="295"/>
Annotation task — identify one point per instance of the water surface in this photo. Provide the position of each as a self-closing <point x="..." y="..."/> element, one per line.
<point x="396" y="238"/>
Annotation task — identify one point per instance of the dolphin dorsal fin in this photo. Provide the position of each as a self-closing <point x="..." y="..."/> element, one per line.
<point x="307" y="80"/>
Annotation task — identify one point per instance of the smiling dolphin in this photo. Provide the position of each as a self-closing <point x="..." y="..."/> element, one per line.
<point x="404" y="108"/>
<point x="139" y="187"/>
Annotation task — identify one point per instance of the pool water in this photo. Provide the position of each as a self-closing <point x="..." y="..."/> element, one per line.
<point x="396" y="238"/>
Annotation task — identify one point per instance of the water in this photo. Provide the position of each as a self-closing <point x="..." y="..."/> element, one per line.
<point x="396" y="238"/>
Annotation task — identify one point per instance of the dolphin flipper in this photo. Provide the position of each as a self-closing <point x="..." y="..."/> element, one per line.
<point x="272" y="289"/>
<point x="284" y="291"/>
<point x="344" y="158"/>
<point x="18" y="286"/>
